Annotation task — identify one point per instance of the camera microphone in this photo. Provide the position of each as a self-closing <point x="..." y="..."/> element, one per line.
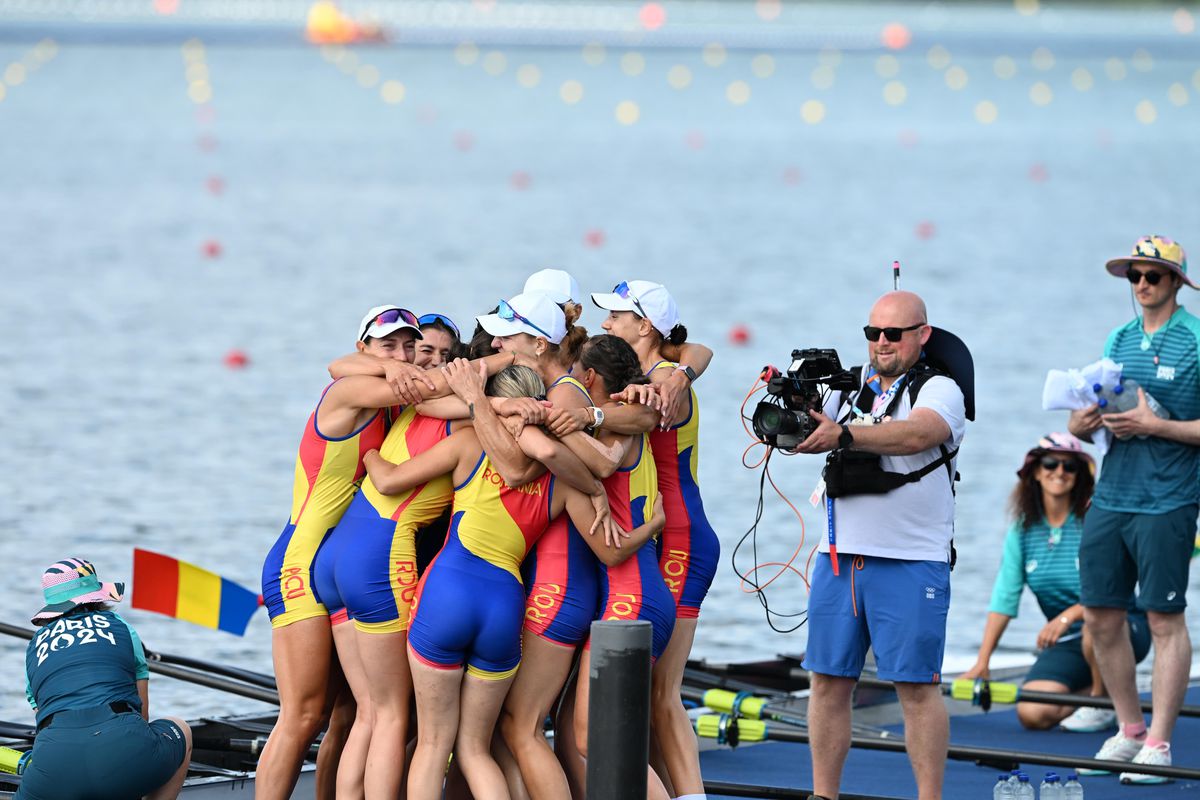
<point x="768" y="373"/>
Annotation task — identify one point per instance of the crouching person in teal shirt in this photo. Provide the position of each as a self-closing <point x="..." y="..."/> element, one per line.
<point x="1041" y="551"/>
<point x="87" y="681"/>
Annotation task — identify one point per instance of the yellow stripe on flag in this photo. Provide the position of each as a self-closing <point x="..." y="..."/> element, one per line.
<point x="199" y="596"/>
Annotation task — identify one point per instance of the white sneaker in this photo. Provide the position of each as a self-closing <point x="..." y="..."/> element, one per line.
<point x="1090" y="720"/>
<point x="1149" y="755"/>
<point x="1117" y="747"/>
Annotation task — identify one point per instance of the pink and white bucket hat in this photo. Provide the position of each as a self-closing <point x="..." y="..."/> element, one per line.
<point x="72" y="582"/>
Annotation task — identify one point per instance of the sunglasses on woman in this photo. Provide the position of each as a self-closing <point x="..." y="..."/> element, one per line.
<point x="428" y="319"/>
<point x="623" y="291"/>
<point x="1152" y="278"/>
<point x="892" y="334"/>
<point x="1049" y="463"/>
<point x="390" y="316"/>
<point x="508" y="314"/>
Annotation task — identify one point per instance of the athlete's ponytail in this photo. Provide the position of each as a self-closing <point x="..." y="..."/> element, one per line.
<point x="613" y="360"/>
<point x="673" y="342"/>
<point x="571" y="345"/>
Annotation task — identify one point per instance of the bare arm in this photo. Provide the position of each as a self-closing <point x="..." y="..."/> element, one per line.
<point x="992" y="631"/>
<point x="431" y="383"/>
<point x="602" y="455"/>
<point x="539" y="445"/>
<point x="613" y="553"/>
<point x="1141" y="421"/>
<point x="143" y="690"/>
<point x="923" y="429"/>
<point x="438" y="460"/>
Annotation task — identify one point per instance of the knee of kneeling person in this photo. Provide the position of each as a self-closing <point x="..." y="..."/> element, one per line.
<point x="1037" y="716"/>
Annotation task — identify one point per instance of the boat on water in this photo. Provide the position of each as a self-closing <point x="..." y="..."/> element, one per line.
<point x="764" y="753"/>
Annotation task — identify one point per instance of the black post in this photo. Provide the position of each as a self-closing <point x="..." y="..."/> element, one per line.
<point x="619" y="710"/>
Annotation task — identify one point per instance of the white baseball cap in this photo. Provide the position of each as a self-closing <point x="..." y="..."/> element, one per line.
<point x="534" y="313"/>
<point x="557" y="283"/>
<point x="644" y="298"/>
<point x="382" y="321"/>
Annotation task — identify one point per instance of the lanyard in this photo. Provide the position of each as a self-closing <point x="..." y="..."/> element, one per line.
<point x="832" y="533"/>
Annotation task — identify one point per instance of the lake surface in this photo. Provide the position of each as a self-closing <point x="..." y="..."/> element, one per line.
<point x="1001" y="158"/>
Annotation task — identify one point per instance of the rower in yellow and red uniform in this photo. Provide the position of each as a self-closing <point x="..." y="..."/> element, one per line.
<point x="645" y="315"/>
<point x="346" y="423"/>
<point x="465" y="637"/>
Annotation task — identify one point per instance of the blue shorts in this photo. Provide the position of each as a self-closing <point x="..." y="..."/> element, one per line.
<point x="896" y="607"/>
<point x="374" y="570"/>
<point x="1152" y="551"/>
<point x="288" y="582"/>
<point x="95" y="754"/>
<point x="561" y="574"/>
<point x="1064" y="662"/>
<point x="468" y="611"/>
<point x="635" y="589"/>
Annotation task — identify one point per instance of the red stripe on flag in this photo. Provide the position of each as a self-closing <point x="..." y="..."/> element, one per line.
<point x="155" y="582"/>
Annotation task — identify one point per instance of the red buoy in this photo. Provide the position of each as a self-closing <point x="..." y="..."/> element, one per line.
<point x="463" y="141"/>
<point x="652" y="16"/>
<point x="236" y="359"/>
<point x="792" y="176"/>
<point x="520" y="180"/>
<point x="215" y="184"/>
<point x="211" y="249"/>
<point x="594" y="238"/>
<point x="926" y="230"/>
<point x="739" y="335"/>
<point x="1038" y="173"/>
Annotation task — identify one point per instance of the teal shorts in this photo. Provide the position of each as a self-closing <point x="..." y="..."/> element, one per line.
<point x="1064" y="662"/>
<point x="96" y="754"/>
<point x="1152" y="551"/>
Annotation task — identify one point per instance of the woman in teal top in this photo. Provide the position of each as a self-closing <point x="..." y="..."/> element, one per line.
<point x="86" y="679"/>
<point x="1041" y="551"/>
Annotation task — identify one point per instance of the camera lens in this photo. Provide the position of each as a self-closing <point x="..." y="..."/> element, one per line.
<point x="772" y="420"/>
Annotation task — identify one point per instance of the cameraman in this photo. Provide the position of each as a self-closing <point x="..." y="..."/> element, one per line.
<point x="890" y="585"/>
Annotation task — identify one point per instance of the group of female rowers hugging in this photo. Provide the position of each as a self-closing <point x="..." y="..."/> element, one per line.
<point x="456" y="527"/>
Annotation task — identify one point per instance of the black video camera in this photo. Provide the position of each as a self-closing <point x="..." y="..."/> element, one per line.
<point x="784" y="420"/>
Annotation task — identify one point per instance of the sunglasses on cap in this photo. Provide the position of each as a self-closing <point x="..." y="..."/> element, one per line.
<point x="622" y="290"/>
<point x="508" y="313"/>
<point x="428" y="319"/>
<point x="892" y="334"/>
<point x="1050" y="463"/>
<point x="1152" y="278"/>
<point x="390" y="316"/>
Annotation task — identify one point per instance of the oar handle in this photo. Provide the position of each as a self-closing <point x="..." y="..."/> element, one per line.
<point x="728" y="729"/>
<point x="739" y="704"/>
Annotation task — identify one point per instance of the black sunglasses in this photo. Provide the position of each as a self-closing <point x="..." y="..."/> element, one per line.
<point x="892" y="334"/>
<point x="1152" y="278"/>
<point x="1050" y="464"/>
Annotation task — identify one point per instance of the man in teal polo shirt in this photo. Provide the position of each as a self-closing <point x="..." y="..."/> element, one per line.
<point x="1142" y="525"/>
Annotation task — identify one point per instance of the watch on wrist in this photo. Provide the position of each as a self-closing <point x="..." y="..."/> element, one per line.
<point x="597" y="418"/>
<point x="845" y="438"/>
<point x="688" y="372"/>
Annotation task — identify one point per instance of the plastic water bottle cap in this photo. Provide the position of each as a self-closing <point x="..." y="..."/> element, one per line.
<point x="1096" y="388"/>
<point x="1102" y="403"/>
<point x="1118" y="389"/>
<point x="1023" y="778"/>
<point x="1072" y="776"/>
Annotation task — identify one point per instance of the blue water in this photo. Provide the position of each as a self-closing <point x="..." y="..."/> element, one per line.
<point x="123" y="427"/>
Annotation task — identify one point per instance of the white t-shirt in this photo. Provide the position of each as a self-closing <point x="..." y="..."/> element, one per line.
<point x="916" y="521"/>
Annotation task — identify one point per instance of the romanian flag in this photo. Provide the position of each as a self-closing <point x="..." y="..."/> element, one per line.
<point x="169" y="586"/>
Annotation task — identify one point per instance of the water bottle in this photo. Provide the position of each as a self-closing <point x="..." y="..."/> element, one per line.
<point x="1050" y="789"/>
<point x="1013" y="780"/>
<point x="1024" y="788"/>
<point x="1072" y="789"/>
<point x="1002" y="791"/>
<point x="1123" y="396"/>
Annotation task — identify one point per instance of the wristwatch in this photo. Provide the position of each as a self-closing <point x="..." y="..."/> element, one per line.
<point x="688" y="371"/>
<point x="597" y="419"/>
<point x="845" y="438"/>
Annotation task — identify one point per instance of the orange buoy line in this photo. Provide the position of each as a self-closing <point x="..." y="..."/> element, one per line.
<point x="200" y="92"/>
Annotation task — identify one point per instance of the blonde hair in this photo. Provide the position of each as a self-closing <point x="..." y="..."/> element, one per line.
<point x="516" y="381"/>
